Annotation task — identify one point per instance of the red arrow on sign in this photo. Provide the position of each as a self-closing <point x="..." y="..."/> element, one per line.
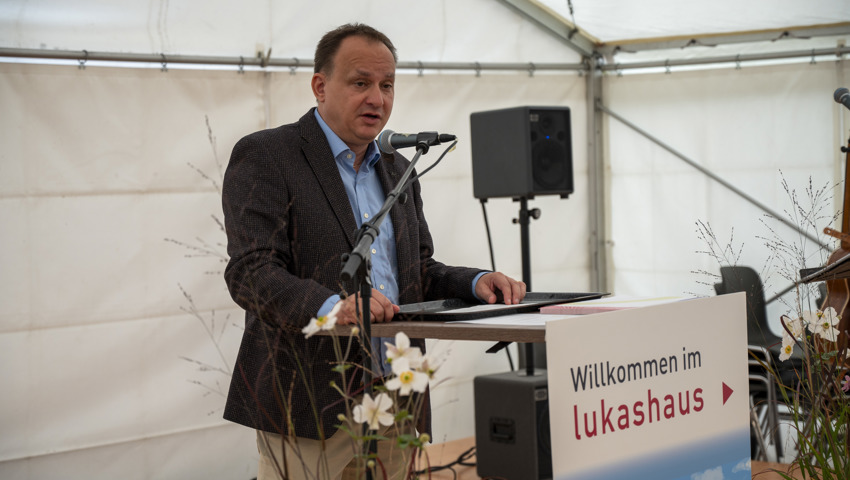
<point x="727" y="392"/>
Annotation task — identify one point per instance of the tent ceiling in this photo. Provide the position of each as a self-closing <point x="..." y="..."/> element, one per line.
<point x="609" y="26"/>
<point x="615" y="21"/>
<point x="472" y="32"/>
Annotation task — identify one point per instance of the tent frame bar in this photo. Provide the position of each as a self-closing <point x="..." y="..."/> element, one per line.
<point x="573" y="36"/>
<point x="776" y="215"/>
<point x="260" y="61"/>
<point x="83" y="56"/>
<point x="715" y="39"/>
<point x="813" y="53"/>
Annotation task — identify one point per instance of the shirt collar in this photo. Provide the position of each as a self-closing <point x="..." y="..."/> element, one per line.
<point x="338" y="147"/>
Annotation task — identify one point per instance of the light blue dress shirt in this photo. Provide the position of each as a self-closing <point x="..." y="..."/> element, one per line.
<point x="367" y="196"/>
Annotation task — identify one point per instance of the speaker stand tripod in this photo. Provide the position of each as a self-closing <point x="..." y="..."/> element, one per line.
<point x="524" y="220"/>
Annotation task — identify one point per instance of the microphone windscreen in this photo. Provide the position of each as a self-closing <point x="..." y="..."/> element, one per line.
<point x="839" y="94"/>
<point x="384" y="142"/>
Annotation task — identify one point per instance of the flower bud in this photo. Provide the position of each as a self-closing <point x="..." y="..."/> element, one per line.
<point x="341" y="417"/>
<point x="370" y="464"/>
<point x="425" y="438"/>
<point x="355" y="330"/>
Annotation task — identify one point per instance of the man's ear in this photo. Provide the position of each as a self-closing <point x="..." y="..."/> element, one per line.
<point x="318" y="83"/>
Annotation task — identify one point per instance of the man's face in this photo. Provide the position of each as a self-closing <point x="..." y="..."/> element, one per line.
<point x="356" y="99"/>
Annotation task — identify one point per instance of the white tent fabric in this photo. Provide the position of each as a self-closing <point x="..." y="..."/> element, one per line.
<point x="755" y="128"/>
<point x="613" y="20"/>
<point x="98" y="169"/>
<point x="430" y="30"/>
<point x="427" y="31"/>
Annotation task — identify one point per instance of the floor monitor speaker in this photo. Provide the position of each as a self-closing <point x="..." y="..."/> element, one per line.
<point x="522" y="152"/>
<point x="512" y="437"/>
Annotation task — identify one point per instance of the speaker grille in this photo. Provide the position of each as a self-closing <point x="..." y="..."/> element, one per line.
<point x="548" y="164"/>
<point x="551" y="163"/>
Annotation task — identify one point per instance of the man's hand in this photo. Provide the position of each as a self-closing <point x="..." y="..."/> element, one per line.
<point x="382" y="310"/>
<point x="493" y="284"/>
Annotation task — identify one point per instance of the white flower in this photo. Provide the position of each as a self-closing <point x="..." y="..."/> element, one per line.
<point x="823" y="323"/>
<point x="794" y="326"/>
<point x="402" y="349"/>
<point x="374" y="411"/>
<point x="326" y="322"/>
<point x="431" y="362"/>
<point x="406" y="379"/>
<point x="787" y="338"/>
<point x="787" y="347"/>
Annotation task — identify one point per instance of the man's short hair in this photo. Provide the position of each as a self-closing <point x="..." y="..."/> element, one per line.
<point x="329" y="44"/>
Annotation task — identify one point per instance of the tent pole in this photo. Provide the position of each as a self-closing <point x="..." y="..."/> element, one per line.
<point x="597" y="193"/>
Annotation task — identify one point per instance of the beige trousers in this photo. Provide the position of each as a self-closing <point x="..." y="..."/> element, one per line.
<point x="305" y="459"/>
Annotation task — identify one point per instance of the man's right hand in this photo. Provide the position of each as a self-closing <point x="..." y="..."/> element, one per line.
<point x="381" y="309"/>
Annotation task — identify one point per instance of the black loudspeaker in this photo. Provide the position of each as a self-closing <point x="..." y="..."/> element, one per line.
<point x="512" y="437"/>
<point x="522" y="152"/>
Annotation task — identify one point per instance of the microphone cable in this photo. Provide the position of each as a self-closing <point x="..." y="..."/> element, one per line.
<point x="403" y="191"/>
<point x="464" y="459"/>
<point x="416" y="177"/>
<point x="493" y="262"/>
<point x="483" y="209"/>
<point x="487" y="229"/>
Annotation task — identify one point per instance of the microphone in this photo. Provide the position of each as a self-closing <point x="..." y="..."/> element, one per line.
<point x="842" y="96"/>
<point x="389" y="141"/>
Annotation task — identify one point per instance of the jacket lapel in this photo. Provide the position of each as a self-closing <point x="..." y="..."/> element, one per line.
<point x="319" y="156"/>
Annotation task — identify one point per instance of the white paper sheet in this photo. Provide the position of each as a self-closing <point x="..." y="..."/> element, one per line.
<point x="518" y="319"/>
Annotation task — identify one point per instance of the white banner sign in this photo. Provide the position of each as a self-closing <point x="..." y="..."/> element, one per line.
<point x="658" y="392"/>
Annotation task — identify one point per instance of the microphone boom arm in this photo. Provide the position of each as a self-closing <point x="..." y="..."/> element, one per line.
<point x="357" y="265"/>
<point x="370" y="230"/>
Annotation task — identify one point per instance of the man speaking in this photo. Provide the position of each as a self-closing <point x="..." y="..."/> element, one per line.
<point x="293" y="197"/>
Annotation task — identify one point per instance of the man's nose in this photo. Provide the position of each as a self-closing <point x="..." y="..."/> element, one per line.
<point x="374" y="96"/>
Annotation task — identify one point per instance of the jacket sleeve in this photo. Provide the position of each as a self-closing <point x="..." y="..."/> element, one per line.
<point x="256" y="200"/>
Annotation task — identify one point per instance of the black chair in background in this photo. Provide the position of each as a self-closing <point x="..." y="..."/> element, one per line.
<point x="764" y="407"/>
<point x="745" y="279"/>
<point x="765" y="369"/>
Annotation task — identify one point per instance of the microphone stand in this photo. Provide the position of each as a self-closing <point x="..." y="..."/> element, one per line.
<point x="357" y="265"/>
<point x="524" y="220"/>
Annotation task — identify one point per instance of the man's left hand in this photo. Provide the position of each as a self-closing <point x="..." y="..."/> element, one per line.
<point x="493" y="284"/>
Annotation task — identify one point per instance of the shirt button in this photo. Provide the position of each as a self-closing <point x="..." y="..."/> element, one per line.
<point x="382" y="286"/>
<point x="348" y="156"/>
<point x="374" y="251"/>
<point x="365" y="215"/>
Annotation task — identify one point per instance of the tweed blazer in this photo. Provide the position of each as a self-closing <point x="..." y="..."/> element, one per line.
<point x="288" y="222"/>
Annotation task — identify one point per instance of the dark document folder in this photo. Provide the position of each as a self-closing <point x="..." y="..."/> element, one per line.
<point x="454" y="309"/>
